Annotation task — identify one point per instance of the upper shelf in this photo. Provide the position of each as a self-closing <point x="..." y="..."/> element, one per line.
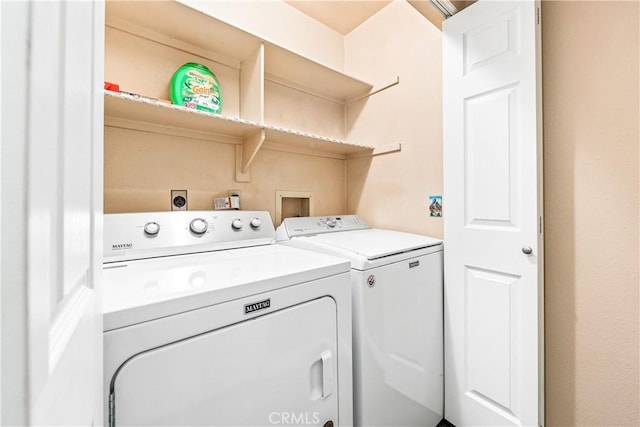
<point x="165" y="22"/>
<point x="137" y="112"/>
<point x="143" y="113"/>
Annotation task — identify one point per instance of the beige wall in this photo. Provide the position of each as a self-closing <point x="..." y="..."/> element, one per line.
<point x="391" y="190"/>
<point x="142" y="168"/>
<point x="591" y="119"/>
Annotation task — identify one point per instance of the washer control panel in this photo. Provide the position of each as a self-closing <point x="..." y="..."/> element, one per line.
<point x="307" y="226"/>
<point x="151" y="234"/>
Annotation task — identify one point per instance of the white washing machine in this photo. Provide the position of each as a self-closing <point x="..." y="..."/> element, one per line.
<point x="208" y="322"/>
<point x="397" y="292"/>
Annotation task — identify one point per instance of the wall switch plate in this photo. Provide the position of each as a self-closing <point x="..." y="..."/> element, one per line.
<point x="178" y="200"/>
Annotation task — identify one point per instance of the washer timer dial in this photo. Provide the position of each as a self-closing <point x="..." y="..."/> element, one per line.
<point x="198" y="226"/>
<point x="151" y="228"/>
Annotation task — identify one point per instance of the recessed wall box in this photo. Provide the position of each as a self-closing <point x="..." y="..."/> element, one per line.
<point x="293" y="204"/>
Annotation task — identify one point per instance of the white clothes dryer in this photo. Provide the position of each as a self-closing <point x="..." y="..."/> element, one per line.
<point x="397" y="293"/>
<point x="208" y="322"/>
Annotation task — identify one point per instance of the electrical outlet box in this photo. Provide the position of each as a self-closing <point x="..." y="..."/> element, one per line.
<point x="178" y="200"/>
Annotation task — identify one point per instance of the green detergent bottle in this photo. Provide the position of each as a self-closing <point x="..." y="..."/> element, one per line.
<point x="195" y="86"/>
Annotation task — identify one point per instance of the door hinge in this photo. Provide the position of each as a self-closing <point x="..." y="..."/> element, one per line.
<point x="540" y="224"/>
<point x="112" y="410"/>
<point x="538" y="15"/>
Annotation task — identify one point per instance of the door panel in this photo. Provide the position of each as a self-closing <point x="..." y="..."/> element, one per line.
<point x="490" y="42"/>
<point x="276" y="369"/>
<point x="491" y="342"/>
<point x="493" y="289"/>
<point x="491" y="154"/>
<point x="76" y="126"/>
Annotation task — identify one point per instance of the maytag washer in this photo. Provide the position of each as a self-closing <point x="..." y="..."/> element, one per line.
<point x="208" y="322"/>
<point x="397" y="291"/>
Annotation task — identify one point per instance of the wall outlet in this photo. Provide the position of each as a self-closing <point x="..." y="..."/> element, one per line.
<point x="178" y="200"/>
<point x="234" y="193"/>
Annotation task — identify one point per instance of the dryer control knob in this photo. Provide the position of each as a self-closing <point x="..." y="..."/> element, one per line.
<point x="331" y="222"/>
<point x="236" y="224"/>
<point x="198" y="226"/>
<point x="151" y="228"/>
<point x="255" y="223"/>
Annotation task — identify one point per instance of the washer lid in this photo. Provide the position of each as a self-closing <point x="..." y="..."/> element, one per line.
<point x="375" y="243"/>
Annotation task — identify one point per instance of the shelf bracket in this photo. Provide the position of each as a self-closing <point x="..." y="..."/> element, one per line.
<point x="385" y="149"/>
<point x="251" y="146"/>
<point x="241" y="176"/>
<point x="374" y="91"/>
<point x="247" y="152"/>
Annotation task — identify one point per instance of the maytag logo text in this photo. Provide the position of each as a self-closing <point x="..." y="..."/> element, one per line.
<point x="257" y="306"/>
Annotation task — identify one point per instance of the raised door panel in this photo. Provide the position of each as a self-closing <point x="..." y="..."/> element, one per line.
<point x="75" y="166"/>
<point x="492" y="350"/>
<point x="491" y="157"/>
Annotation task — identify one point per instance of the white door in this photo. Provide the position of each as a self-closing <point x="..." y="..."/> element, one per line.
<point x="277" y="369"/>
<point x="493" y="224"/>
<point x="52" y="67"/>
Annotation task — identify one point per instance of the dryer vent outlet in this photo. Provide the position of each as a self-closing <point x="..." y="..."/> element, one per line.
<point x="178" y="200"/>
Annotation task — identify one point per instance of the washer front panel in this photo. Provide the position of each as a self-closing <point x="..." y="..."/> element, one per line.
<point x="398" y="343"/>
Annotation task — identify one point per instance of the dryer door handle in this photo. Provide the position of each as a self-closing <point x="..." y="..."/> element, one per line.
<point x="327" y="373"/>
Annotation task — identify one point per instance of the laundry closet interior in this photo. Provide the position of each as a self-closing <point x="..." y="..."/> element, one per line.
<point x="379" y="156"/>
<point x="347" y="129"/>
<point x="331" y="128"/>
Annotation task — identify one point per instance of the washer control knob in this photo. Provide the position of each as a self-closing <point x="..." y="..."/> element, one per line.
<point x="331" y="222"/>
<point x="151" y="228"/>
<point x="236" y="224"/>
<point x="255" y="223"/>
<point x="198" y="226"/>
